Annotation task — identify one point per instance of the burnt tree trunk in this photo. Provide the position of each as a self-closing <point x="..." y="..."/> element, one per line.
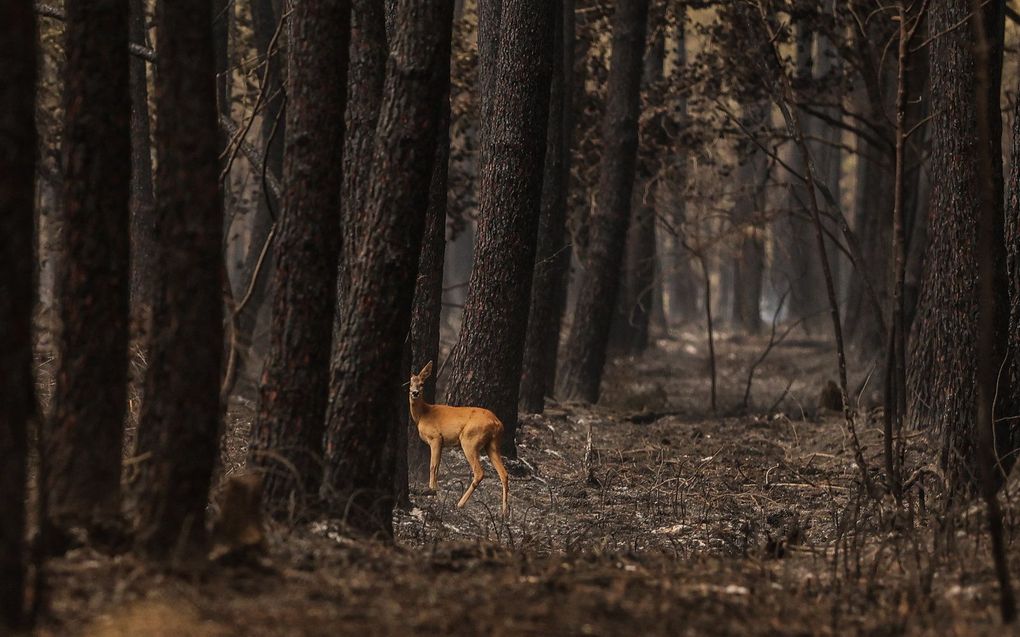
<point x="807" y="288"/>
<point x="142" y="202"/>
<point x="679" y="280"/>
<point x="85" y="433"/>
<point x="178" y="429"/>
<point x="265" y="16"/>
<point x="367" y="371"/>
<point x="581" y="372"/>
<point x="17" y="292"/>
<point x="941" y="375"/>
<point x="426" y="309"/>
<point x="749" y="264"/>
<point x="486" y="362"/>
<point x="364" y="96"/>
<point x="993" y="309"/>
<point x="629" y="331"/>
<point x="874" y="196"/>
<point x="552" y="252"/>
<point x="286" y="437"/>
<point x="1013" y="245"/>
<point x="490" y="14"/>
<point x="918" y="183"/>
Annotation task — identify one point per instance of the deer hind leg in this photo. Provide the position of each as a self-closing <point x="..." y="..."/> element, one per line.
<point x="436" y="448"/>
<point x="471" y="453"/>
<point x="497" y="462"/>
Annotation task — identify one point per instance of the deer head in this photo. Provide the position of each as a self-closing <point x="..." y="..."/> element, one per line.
<point x="418" y="380"/>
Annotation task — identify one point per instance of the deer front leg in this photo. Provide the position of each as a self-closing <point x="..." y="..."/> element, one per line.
<point x="436" y="447"/>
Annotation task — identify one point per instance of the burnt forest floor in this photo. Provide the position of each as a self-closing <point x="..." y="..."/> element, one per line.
<point x="683" y="522"/>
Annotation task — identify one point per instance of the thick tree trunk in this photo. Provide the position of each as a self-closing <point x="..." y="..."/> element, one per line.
<point x="178" y="429"/>
<point x="585" y="357"/>
<point x="552" y="253"/>
<point x="364" y="96"/>
<point x="84" y="437"/>
<point x="629" y="331"/>
<point x="17" y="292"/>
<point x="486" y="362"/>
<point x="427" y="308"/>
<point x="941" y="377"/>
<point x="490" y="13"/>
<point x="143" y="220"/>
<point x="367" y="371"/>
<point x="286" y="437"/>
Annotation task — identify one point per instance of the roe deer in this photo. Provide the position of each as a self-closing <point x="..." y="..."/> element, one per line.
<point x="475" y="428"/>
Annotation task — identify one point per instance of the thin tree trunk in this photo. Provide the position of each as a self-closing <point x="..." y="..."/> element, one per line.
<point x="993" y="304"/>
<point x="17" y="292"/>
<point x="710" y="329"/>
<point x="268" y="208"/>
<point x="874" y="193"/>
<point x="286" y="437"/>
<point x="629" y="330"/>
<point x="749" y="264"/>
<point x="367" y="371"/>
<point x="85" y="434"/>
<point x="142" y="202"/>
<point x="807" y="289"/>
<point x="178" y="429"/>
<point x="486" y="362"/>
<point x="581" y="374"/>
<point x="427" y="307"/>
<point x="1013" y="245"/>
<point x="679" y="279"/>
<point x="552" y="253"/>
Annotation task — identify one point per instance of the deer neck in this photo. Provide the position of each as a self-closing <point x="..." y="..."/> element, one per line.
<point x="419" y="408"/>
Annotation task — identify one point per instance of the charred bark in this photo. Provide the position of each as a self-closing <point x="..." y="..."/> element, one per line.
<point x="581" y="373"/>
<point x="941" y="375"/>
<point x="85" y="433"/>
<point x="17" y="292"/>
<point x="679" y="280"/>
<point x="486" y="362"/>
<point x="807" y="287"/>
<point x="552" y="252"/>
<point x="749" y="264"/>
<point x="142" y="202"/>
<point x="178" y="429"/>
<point x="265" y="14"/>
<point x="874" y="197"/>
<point x="364" y="96"/>
<point x="286" y="437"/>
<point x="367" y="371"/>
<point x="629" y="332"/>
<point x="427" y="307"/>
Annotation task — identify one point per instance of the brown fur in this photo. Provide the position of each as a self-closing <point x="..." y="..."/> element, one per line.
<point x="476" y="429"/>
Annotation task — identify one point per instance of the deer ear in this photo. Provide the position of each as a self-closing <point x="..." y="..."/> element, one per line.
<point x="425" y="371"/>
